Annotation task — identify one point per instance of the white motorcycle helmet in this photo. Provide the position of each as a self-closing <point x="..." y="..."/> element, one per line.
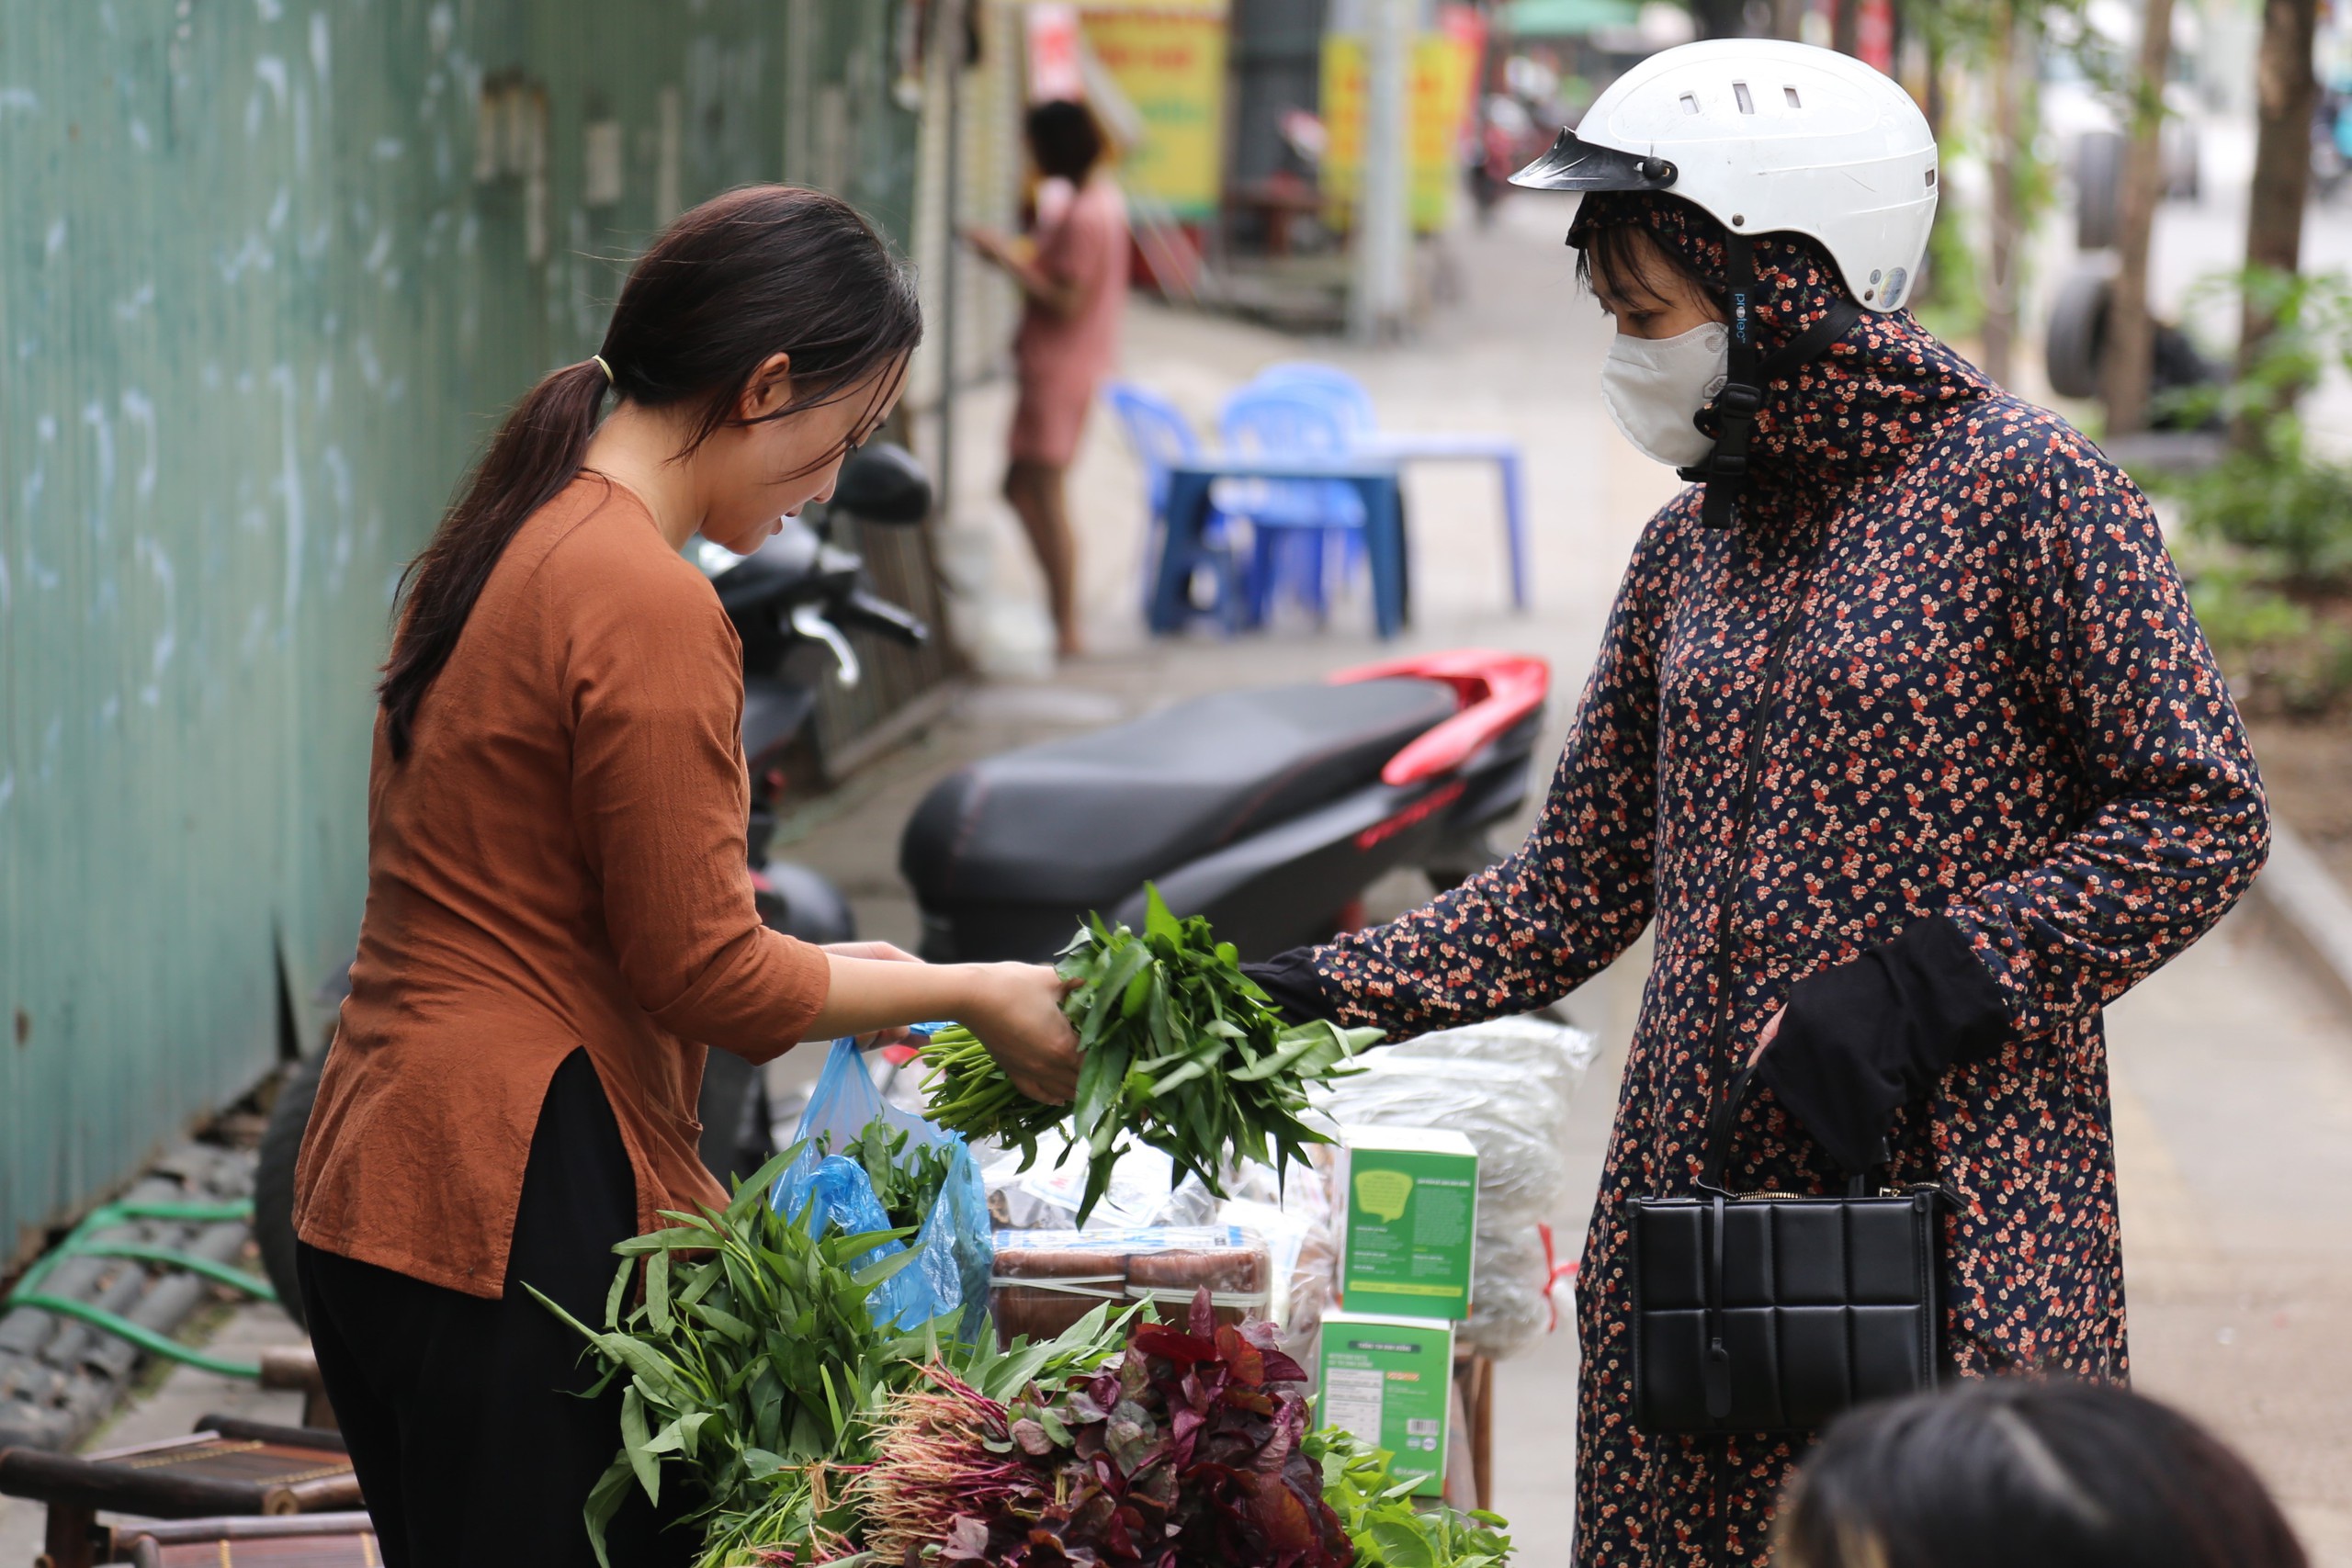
<point x="1765" y="137"/>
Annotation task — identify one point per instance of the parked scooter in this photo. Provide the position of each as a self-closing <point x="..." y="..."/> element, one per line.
<point x="797" y="592"/>
<point x="1269" y="811"/>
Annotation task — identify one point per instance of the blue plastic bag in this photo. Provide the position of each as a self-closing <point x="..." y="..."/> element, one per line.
<point x="955" y="1249"/>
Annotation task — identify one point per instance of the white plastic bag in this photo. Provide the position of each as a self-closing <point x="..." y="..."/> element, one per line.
<point x="1506" y="1085"/>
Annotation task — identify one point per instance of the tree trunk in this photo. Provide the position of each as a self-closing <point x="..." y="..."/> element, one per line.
<point x="1720" y="18"/>
<point x="1846" y="25"/>
<point x="2001" y="284"/>
<point x="2284" y="90"/>
<point x="2131" y="330"/>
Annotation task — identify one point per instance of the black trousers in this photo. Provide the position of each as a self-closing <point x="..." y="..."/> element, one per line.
<point x="471" y="1443"/>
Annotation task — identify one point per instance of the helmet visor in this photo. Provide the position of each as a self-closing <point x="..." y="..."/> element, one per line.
<point x="1572" y="164"/>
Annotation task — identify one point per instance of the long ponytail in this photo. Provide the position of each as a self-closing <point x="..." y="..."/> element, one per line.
<point x="759" y="271"/>
<point x="538" y="450"/>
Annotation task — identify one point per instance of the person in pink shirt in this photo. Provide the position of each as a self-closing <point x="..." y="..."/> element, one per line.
<point x="1074" y="288"/>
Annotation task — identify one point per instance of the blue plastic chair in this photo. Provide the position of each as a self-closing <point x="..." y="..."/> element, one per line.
<point x="1350" y="402"/>
<point x="1294" y="522"/>
<point x="1162" y="438"/>
<point x="1344" y="392"/>
<point x="1353" y="405"/>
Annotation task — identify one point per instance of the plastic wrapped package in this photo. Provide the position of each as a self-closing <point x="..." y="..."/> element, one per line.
<point x="1047" y="1280"/>
<point x="1142" y="1191"/>
<point x="1294" y="1213"/>
<point x="1558" y="1053"/>
<point x="1507" y="1085"/>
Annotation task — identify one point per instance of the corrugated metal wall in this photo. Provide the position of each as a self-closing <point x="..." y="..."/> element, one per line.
<point x="263" y="283"/>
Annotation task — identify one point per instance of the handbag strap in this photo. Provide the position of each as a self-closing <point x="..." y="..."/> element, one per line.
<point x="1716" y="1374"/>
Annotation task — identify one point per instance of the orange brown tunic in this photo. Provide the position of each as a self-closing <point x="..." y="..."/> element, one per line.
<point x="557" y="864"/>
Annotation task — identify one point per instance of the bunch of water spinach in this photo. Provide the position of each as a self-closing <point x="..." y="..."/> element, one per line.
<point x="1178" y="1048"/>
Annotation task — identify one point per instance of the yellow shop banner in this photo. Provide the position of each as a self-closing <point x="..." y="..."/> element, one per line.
<point x="1169" y="60"/>
<point x="1442" y="72"/>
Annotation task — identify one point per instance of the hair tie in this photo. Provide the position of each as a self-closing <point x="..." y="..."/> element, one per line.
<point x="606" y="368"/>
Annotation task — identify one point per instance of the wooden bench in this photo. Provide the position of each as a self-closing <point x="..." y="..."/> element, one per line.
<point x="313" y="1541"/>
<point x="228" y="1466"/>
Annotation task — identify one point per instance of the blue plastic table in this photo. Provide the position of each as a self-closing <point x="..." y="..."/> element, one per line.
<point x="1406" y="447"/>
<point x="1182" y="549"/>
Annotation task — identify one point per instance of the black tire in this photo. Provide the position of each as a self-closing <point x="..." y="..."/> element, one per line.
<point x="2077" y="340"/>
<point x="281" y="1144"/>
<point x="2099" y="189"/>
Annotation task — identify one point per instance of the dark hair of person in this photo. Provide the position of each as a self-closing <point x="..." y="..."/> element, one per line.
<point x="765" y="270"/>
<point x="1064" y="139"/>
<point x="2030" y="1474"/>
<point x="1631" y="265"/>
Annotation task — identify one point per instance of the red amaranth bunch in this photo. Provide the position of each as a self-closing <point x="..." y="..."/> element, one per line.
<point x="940" y="1452"/>
<point x="1182" y="1452"/>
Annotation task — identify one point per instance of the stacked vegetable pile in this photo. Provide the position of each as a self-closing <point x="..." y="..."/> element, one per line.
<point x="751" y="1369"/>
<point x="1182" y="1452"/>
<point x="1178" y="1047"/>
<point x="755" y="1378"/>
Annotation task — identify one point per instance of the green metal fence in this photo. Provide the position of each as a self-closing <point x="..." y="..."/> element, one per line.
<point x="267" y="268"/>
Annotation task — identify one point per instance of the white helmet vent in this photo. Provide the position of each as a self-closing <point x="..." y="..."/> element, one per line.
<point x="1835" y="157"/>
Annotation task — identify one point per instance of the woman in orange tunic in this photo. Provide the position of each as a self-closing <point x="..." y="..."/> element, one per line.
<point x="559" y="915"/>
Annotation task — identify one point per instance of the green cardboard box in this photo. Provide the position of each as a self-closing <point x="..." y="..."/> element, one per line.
<point x="1390" y="1382"/>
<point x="1409" y="1223"/>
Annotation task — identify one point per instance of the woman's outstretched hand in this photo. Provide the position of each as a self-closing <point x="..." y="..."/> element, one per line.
<point x="1018" y="1016"/>
<point x="1014" y="1008"/>
<point x="1771" y="1032"/>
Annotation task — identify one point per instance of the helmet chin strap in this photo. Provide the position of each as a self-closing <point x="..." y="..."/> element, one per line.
<point x="1724" y="471"/>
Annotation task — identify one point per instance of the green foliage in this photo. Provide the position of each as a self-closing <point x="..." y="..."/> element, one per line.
<point x="1179" y="1047"/>
<point x="1381" y="1519"/>
<point x="2273" y="647"/>
<point x="752" y="1366"/>
<point x="905" y="1179"/>
<point x="749" y="1349"/>
<point x="2271" y="523"/>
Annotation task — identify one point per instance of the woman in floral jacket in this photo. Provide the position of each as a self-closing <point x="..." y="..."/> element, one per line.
<point x="1924" y="747"/>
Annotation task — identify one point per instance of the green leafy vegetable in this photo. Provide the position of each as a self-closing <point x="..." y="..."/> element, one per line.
<point x="1381" y="1519"/>
<point x="907" y="1178"/>
<point x="751" y="1369"/>
<point x="1182" y="1452"/>
<point x="1178" y="1048"/>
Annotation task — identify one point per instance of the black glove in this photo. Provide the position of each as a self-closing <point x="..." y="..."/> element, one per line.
<point x="1297" y="989"/>
<point x="1876" y="1033"/>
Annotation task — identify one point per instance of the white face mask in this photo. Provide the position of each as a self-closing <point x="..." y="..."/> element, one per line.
<point x="1653" y="386"/>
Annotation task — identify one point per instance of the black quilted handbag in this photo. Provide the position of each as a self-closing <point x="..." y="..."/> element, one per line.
<point x="1769" y="1312"/>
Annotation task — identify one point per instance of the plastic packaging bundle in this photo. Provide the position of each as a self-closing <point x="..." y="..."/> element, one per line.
<point x="954" y="1252"/>
<point x="1294" y="1216"/>
<point x="1507" y="1085"/>
<point x="1143" y="1192"/>
<point x="1047" y="1280"/>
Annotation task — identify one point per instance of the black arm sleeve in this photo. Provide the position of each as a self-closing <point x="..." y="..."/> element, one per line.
<point x="1877" y="1032"/>
<point x="1291" y="980"/>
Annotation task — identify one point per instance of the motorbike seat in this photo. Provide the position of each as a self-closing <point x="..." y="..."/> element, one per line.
<point x="1083" y="822"/>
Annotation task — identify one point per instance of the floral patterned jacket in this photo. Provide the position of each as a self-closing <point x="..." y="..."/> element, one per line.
<point x="1940" y="669"/>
